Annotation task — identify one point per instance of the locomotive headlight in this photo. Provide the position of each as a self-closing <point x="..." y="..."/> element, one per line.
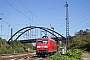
<point x="42" y="46"/>
<point x="38" y="46"/>
<point x="45" y="46"/>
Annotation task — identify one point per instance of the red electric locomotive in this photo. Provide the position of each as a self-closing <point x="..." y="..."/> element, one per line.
<point x="45" y="46"/>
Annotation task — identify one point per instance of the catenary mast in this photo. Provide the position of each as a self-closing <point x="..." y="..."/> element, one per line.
<point x="67" y="24"/>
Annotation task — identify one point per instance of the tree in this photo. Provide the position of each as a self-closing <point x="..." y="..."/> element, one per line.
<point x="17" y="46"/>
<point x="81" y="40"/>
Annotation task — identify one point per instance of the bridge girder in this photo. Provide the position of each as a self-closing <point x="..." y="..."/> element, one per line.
<point x="33" y="27"/>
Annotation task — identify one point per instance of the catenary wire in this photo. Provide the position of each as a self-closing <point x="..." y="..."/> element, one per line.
<point x="20" y="12"/>
<point x="28" y="9"/>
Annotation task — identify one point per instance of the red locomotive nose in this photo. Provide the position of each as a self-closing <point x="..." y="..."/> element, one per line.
<point x="42" y="47"/>
<point x="45" y="46"/>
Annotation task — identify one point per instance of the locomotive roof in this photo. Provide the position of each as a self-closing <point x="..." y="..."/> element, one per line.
<point x="43" y="38"/>
<point x="46" y="38"/>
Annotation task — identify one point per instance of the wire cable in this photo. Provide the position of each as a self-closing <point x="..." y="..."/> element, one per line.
<point x="19" y="11"/>
<point x="28" y="9"/>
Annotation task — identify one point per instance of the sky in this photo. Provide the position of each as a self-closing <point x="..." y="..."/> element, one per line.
<point x="17" y="14"/>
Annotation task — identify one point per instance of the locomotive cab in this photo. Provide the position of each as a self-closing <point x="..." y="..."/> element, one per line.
<point x="45" y="46"/>
<point x="42" y="46"/>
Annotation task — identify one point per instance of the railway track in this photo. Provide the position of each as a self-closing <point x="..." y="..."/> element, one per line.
<point x="21" y="56"/>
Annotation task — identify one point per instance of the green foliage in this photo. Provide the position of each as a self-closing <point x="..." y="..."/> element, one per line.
<point x="81" y="40"/>
<point x="75" y="54"/>
<point x="16" y="44"/>
<point x="19" y="49"/>
<point x="34" y="47"/>
<point x="6" y="51"/>
<point x="14" y="47"/>
<point x="28" y="45"/>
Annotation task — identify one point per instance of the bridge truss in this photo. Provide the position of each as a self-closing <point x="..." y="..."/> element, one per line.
<point x="30" y="29"/>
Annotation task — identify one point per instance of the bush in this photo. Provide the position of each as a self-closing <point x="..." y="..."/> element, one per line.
<point x="75" y="54"/>
<point x="6" y="51"/>
<point x="19" y="50"/>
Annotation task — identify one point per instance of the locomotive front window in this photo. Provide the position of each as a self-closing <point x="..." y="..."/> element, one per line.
<point x="40" y="41"/>
<point x="43" y="41"/>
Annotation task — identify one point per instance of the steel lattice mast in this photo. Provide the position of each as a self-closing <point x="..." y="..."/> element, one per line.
<point x="67" y="24"/>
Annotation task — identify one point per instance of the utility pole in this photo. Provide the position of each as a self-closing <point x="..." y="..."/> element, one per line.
<point x="52" y="28"/>
<point x="1" y="25"/>
<point x="67" y="24"/>
<point x="11" y="33"/>
<point x="0" y="18"/>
